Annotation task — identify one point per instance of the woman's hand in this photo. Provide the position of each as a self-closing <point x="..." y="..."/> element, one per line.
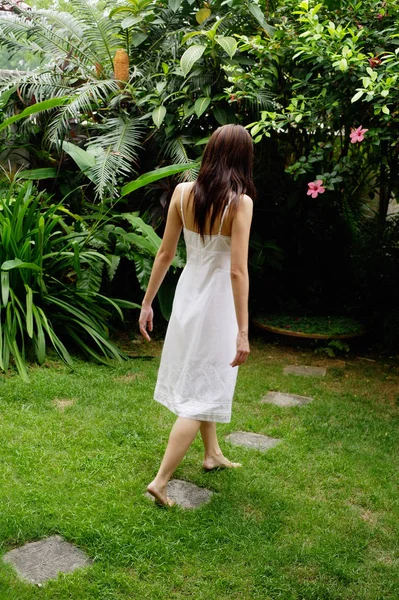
<point x="145" y="320"/>
<point x="242" y="349"/>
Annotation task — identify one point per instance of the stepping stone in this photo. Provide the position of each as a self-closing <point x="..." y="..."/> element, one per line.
<point x="63" y="403"/>
<point x="38" y="562"/>
<point x="186" y="494"/>
<point x="303" y="370"/>
<point x="280" y="399"/>
<point x="252" y="440"/>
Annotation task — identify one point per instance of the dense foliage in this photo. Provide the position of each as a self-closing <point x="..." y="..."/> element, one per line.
<point x="143" y="85"/>
<point x="50" y="282"/>
<point x="333" y="157"/>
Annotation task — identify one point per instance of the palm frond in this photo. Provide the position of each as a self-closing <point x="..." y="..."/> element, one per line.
<point x="261" y="100"/>
<point x="175" y="149"/>
<point x="61" y="36"/>
<point x="104" y="173"/>
<point x="87" y="97"/>
<point x="40" y="83"/>
<point x="40" y="35"/>
<point x="70" y="28"/>
<point x="119" y="143"/>
<point x="14" y="31"/>
<point x="101" y="31"/>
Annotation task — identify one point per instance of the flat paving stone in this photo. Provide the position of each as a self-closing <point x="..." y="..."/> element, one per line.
<point x="304" y="370"/>
<point x="280" y="399"/>
<point x="38" y="562"/>
<point x="186" y="494"/>
<point x="252" y="440"/>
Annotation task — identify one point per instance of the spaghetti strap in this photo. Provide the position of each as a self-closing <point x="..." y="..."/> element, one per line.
<point x="223" y="216"/>
<point x="181" y="207"/>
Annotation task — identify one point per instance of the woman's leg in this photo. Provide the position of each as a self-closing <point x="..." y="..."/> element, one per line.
<point x="180" y="439"/>
<point x="213" y="455"/>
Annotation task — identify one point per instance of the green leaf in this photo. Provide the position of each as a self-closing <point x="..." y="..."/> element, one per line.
<point x="228" y="43"/>
<point x="85" y="160"/>
<point x="202" y="141"/>
<point x="34" y="109"/>
<point x="190" y="57"/>
<point x="220" y="115"/>
<point x="201" y="104"/>
<point x="175" y="4"/>
<point x="155" y="175"/>
<point x="158" y="115"/>
<point x="40" y="339"/>
<point x="5" y="287"/>
<point x="58" y="345"/>
<point x="17" y="263"/>
<point x="38" y="174"/>
<point x="113" y="266"/>
<point x="5" y="96"/>
<point x="130" y="20"/>
<point x="138" y="38"/>
<point x="90" y="278"/>
<point x="190" y="35"/>
<point x="202" y="15"/>
<point x="386" y="110"/>
<point x="29" y="311"/>
<point x="19" y="361"/>
<point x="357" y="96"/>
<point x="140" y="242"/>
<point x="146" y="230"/>
<point x="143" y="267"/>
<point x="256" y="12"/>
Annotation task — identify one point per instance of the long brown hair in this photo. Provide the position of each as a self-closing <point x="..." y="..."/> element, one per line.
<point x="226" y="172"/>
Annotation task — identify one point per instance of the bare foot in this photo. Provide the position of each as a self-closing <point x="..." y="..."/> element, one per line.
<point x="219" y="462"/>
<point x="159" y="493"/>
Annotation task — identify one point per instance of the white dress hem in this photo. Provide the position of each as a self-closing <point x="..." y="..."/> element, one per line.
<point x="196" y="416"/>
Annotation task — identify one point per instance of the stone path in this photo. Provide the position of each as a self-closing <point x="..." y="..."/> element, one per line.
<point x="38" y="562"/>
<point x="186" y="494"/>
<point x="304" y="370"/>
<point x="252" y="440"/>
<point x="280" y="399"/>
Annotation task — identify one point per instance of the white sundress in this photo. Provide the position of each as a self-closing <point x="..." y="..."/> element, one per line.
<point x="195" y="379"/>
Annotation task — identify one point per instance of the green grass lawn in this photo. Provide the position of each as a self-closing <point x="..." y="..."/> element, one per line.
<point x="316" y="517"/>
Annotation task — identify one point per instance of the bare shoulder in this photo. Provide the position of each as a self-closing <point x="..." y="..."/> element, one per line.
<point x="245" y="204"/>
<point x="181" y="188"/>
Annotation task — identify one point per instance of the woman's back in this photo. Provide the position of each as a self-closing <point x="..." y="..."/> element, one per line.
<point x="221" y="227"/>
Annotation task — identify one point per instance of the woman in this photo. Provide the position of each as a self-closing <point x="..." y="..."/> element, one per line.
<point x="207" y="336"/>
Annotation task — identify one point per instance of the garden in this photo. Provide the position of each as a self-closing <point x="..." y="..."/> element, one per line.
<point x="104" y="107"/>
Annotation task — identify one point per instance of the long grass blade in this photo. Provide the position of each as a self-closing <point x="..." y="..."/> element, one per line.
<point x="29" y="311"/>
<point x="40" y="345"/>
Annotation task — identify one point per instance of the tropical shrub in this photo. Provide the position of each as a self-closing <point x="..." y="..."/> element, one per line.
<point x="154" y="73"/>
<point x="50" y="283"/>
<point x="328" y="146"/>
<point x="335" y="79"/>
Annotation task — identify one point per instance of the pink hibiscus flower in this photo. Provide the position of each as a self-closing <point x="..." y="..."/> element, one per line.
<point x="357" y="135"/>
<point x="316" y="188"/>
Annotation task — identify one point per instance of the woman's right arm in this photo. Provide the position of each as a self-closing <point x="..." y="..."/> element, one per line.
<point x="240" y="231"/>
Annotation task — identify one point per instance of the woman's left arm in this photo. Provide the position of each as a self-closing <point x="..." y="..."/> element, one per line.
<point x="162" y="262"/>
